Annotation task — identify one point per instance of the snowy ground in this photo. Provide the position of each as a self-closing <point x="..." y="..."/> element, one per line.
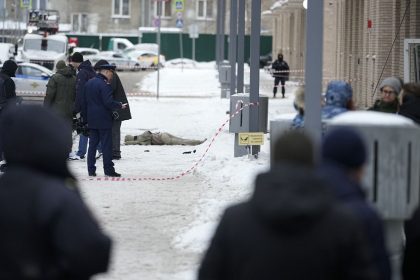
<point x="161" y="224"/>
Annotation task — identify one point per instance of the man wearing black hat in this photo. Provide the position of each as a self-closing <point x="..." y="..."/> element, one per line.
<point x="7" y="91"/>
<point x="97" y="110"/>
<point x="85" y="73"/>
<point x="344" y="155"/>
<point x="120" y="115"/>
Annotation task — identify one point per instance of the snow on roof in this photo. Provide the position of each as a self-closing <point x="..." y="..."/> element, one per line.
<point x="367" y="118"/>
<point x="278" y="4"/>
<point x="162" y="29"/>
<point x="267" y="13"/>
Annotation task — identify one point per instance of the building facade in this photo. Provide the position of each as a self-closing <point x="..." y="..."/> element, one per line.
<point x="363" y="40"/>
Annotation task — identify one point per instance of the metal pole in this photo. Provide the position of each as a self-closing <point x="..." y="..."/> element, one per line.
<point x="159" y="10"/>
<point x="241" y="45"/>
<point x="181" y="49"/>
<point x="193" y="48"/>
<point x="255" y="69"/>
<point x="222" y="30"/>
<point x="218" y="29"/>
<point x="313" y="69"/>
<point x="233" y="44"/>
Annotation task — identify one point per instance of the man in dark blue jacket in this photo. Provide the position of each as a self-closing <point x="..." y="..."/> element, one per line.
<point x="97" y="111"/>
<point x="47" y="231"/>
<point x="84" y="74"/>
<point x="344" y="155"/>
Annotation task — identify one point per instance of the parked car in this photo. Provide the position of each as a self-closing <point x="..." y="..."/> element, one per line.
<point x="122" y="61"/>
<point x="147" y="59"/>
<point x="86" y="52"/>
<point x="265" y="60"/>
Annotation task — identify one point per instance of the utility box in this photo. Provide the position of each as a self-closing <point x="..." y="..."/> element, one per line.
<point x="224" y="73"/>
<point x="240" y="122"/>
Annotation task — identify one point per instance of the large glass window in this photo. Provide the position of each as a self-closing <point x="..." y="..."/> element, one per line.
<point x="121" y="8"/>
<point x="204" y="9"/>
<point x="166" y="8"/>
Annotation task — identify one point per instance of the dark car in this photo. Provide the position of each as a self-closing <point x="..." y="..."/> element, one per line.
<point x="265" y="60"/>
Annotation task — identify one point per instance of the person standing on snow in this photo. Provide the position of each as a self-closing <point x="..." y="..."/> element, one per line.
<point x="7" y="93"/>
<point x="344" y="155"/>
<point x="85" y="73"/>
<point x="291" y="227"/>
<point x="280" y="72"/>
<point x="97" y="110"/>
<point x="119" y="115"/>
<point x="61" y="91"/>
<point x="47" y="231"/>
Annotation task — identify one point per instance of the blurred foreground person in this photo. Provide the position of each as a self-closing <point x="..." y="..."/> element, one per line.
<point x="344" y="156"/>
<point x="47" y="232"/>
<point x="410" y="267"/>
<point x="291" y="228"/>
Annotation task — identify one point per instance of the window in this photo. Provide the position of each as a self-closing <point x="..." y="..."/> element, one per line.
<point x="121" y="8"/>
<point x="204" y="9"/>
<point x="30" y="71"/>
<point x="166" y="8"/>
<point x="39" y="4"/>
<point x="79" y="22"/>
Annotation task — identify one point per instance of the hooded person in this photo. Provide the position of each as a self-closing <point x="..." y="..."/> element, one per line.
<point x="280" y="72"/>
<point x="61" y="91"/>
<point x="338" y="99"/>
<point x="344" y="155"/>
<point x="388" y="102"/>
<point x="119" y="115"/>
<point x="299" y="104"/>
<point x="410" y="105"/>
<point x="285" y="229"/>
<point x="47" y="232"/>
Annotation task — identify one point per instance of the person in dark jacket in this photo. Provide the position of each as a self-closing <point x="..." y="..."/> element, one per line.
<point x="291" y="228"/>
<point x="61" y="91"/>
<point x="280" y="72"/>
<point x="344" y="155"/>
<point x="410" y="266"/>
<point x="410" y="105"/>
<point x="47" y="231"/>
<point x="388" y="102"/>
<point x="119" y="115"/>
<point x="97" y="110"/>
<point x="84" y="74"/>
<point x="7" y="93"/>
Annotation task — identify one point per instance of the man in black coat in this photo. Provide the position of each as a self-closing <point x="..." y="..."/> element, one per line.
<point x="280" y="72"/>
<point x="410" y="105"/>
<point x="119" y="115"/>
<point x="344" y="156"/>
<point x="410" y="267"/>
<point x="291" y="228"/>
<point x="47" y="232"/>
<point x="7" y="92"/>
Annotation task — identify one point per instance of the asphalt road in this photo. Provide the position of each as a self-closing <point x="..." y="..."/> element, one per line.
<point x="130" y="79"/>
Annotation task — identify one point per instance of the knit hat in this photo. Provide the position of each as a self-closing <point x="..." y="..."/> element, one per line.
<point x="294" y="146"/>
<point x="61" y="64"/>
<point x="77" y="57"/>
<point x="393" y="82"/>
<point x="344" y="146"/>
<point x="103" y="64"/>
<point x="339" y="93"/>
<point x="9" y="67"/>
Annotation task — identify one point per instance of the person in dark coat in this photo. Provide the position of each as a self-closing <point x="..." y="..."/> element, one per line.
<point x="119" y="115"/>
<point x="7" y="93"/>
<point x="388" y="102"/>
<point x="61" y="91"/>
<point x="47" y="231"/>
<point x="97" y="110"/>
<point x="410" y="105"/>
<point x="344" y="155"/>
<point x="280" y="72"/>
<point x="410" y="266"/>
<point x="84" y="74"/>
<point x="291" y="228"/>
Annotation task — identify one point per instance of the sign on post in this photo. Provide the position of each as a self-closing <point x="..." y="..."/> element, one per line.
<point x="251" y="138"/>
<point x="179" y="5"/>
<point x="25" y="3"/>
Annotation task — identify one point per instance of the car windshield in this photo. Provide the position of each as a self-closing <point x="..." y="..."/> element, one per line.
<point x="44" y="45"/>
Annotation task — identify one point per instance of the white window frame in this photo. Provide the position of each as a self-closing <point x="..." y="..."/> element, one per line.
<point x="205" y="9"/>
<point x="118" y="14"/>
<point x="165" y="5"/>
<point x="80" y="22"/>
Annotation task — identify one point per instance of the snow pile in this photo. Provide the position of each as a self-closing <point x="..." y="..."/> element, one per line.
<point x="371" y="118"/>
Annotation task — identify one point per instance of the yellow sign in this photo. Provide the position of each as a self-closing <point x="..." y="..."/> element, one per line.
<point x="251" y="138"/>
